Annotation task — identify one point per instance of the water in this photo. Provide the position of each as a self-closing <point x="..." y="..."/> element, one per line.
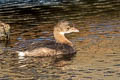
<point x="97" y="43"/>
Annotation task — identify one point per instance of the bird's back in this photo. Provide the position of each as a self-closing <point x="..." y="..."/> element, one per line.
<point x="46" y="48"/>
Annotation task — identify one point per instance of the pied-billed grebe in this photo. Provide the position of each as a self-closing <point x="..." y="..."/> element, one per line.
<point x="4" y="31"/>
<point x="61" y="45"/>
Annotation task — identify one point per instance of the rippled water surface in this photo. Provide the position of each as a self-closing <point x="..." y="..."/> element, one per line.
<point x="97" y="43"/>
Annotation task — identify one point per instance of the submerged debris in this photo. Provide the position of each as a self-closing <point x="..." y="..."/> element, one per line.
<point x="4" y="31"/>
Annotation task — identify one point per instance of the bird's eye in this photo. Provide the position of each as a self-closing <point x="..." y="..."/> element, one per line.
<point x="68" y="28"/>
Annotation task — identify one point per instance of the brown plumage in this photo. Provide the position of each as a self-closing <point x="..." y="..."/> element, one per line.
<point x="61" y="45"/>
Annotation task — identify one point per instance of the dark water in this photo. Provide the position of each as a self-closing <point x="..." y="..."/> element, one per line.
<point x="97" y="43"/>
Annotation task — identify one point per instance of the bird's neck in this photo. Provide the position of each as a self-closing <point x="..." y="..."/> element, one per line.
<point x="60" y="38"/>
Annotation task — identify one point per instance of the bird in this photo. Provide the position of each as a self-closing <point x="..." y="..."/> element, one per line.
<point x="61" y="45"/>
